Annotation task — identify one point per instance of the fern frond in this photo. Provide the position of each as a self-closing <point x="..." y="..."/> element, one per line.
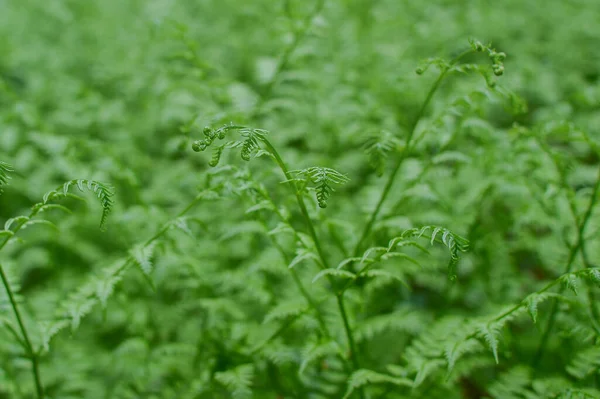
<point x="459" y="349"/>
<point x="489" y="332"/>
<point x="249" y="145"/>
<point x="585" y="362"/>
<point x="302" y="255"/>
<point x="426" y="368"/>
<point x="386" y="275"/>
<point x="280" y="354"/>
<point x="5" y="170"/>
<point x="286" y="310"/>
<point x="571" y="281"/>
<point x="323" y="179"/>
<point x="238" y="381"/>
<point x="251" y="142"/>
<point x="363" y="377"/>
<point x="378" y="147"/>
<point x="404" y="321"/>
<point x="532" y="302"/>
<point x="334" y="273"/>
<point x="454" y="242"/>
<point x="512" y="384"/>
<point x="142" y="255"/>
<point x="103" y="192"/>
<point x="316" y="352"/>
<point x="217" y="152"/>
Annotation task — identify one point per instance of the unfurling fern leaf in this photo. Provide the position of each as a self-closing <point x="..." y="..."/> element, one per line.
<point x="322" y="178"/>
<point x="218" y="151"/>
<point x="378" y="147"/>
<point x="5" y="170"/>
<point x="249" y="145"/>
<point x="103" y="192"/>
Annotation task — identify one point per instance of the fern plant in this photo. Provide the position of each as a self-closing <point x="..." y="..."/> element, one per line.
<point x="12" y="227"/>
<point x="395" y="235"/>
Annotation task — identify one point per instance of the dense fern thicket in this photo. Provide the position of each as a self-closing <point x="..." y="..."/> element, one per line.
<point x="299" y="199"/>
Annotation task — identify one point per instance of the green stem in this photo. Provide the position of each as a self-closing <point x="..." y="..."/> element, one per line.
<point x="315" y="238"/>
<point x="293" y="272"/>
<point x="349" y="334"/>
<point x="390" y="182"/>
<point x="574" y="250"/>
<point x="299" y="35"/>
<point x="309" y="224"/>
<point x="28" y="346"/>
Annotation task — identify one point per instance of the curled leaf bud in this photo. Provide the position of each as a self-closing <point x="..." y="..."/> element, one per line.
<point x="207" y="131"/>
<point x="498" y="70"/>
<point x="499" y="57"/>
<point x="420" y="71"/>
<point x="199" y="145"/>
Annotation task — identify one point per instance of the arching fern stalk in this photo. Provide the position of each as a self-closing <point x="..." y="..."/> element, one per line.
<point x="445" y="67"/>
<point x="12" y="226"/>
<point x="103" y="192"/>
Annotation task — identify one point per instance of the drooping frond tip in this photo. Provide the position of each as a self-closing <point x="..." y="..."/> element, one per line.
<point x="322" y="178"/>
<point x="378" y="147"/>
<point x="454" y="242"/>
<point x="5" y="170"/>
<point x="103" y="192"/>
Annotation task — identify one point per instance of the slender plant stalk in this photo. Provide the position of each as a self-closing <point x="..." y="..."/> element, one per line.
<point x="409" y="141"/>
<point x="31" y="353"/>
<point x="309" y="299"/>
<point x="26" y="342"/>
<point x="322" y="257"/>
<point x="282" y="65"/>
<point x="572" y="255"/>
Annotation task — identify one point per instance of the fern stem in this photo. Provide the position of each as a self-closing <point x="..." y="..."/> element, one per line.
<point x="574" y="250"/>
<point x="299" y="35"/>
<point x="349" y="334"/>
<point x="18" y="227"/>
<point x="390" y="182"/>
<point x="322" y="257"/>
<point x="309" y="224"/>
<point x="309" y="299"/>
<point x="28" y="346"/>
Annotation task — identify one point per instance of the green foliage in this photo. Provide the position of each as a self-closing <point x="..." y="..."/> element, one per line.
<point x="378" y="148"/>
<point x="5" y="170"/>
<point x="323" y="179"/>
<point x="397" y="235"/>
